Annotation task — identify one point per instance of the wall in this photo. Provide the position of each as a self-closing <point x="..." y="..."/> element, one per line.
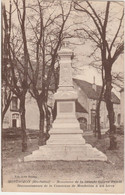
<point x="32" y="113"/>
<point x="117" y="112"/>
<point x="104" y="114"/>
<point x="7" y="119"/>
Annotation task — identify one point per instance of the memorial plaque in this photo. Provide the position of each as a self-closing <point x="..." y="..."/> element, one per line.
<point x="66" y="107"/>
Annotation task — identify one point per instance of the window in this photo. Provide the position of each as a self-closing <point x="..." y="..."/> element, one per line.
<point x="15" y="116"/>
<point x="14" y="104"/>
<point x="119" y="119"/>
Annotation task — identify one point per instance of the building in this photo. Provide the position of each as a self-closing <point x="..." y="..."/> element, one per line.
<point x="88" y="95"/>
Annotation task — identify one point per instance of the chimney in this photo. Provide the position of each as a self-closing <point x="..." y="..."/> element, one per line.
<point x="94" y="85"/>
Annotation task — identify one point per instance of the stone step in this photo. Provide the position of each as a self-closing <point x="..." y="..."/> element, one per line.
<point x="66" y="139"/>
<point x="83" y="152"/>
<point x="66" y="125"/>
<point x="67" y="136"/>
<point x="66" y="119"/>
<point x="66" y="131"/>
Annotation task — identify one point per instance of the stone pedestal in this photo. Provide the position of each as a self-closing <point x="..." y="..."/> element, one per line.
<point x="66" y="140"/>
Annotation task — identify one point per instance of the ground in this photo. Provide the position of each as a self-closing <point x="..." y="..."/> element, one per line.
<point x="14" y="166"/>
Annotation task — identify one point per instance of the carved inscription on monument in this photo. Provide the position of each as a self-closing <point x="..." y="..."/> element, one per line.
<point x="66" y="107"/>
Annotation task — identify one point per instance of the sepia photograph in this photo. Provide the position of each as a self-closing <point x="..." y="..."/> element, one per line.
<point x="62" y="96"/>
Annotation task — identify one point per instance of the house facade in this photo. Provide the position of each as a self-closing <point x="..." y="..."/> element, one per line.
<point x="88" y="95"/>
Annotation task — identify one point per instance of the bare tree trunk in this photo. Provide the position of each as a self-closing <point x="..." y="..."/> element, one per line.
<point x="48" y="122"/>
<point x="41" y="140"/>
<point x="98" y="122"/>
<point x="98" y="112"/>
<point x="109" y="105"/>
<point x="23" y="123"/>
<point x="6" y="107"/>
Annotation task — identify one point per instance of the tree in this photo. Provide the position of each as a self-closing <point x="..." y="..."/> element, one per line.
<point x="98" y="109"/>
<point x="18" y="83"/>
<point x="109" y="45"/>
<point x="34" y="43"/>
<point x="6" y="92"/>
<point x="6" y="99"/>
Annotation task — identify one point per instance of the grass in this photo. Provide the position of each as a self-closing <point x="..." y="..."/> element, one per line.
<point x="13" y="164"/>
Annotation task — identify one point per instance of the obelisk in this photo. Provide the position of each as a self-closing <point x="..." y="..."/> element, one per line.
<point x="66" y="140"/>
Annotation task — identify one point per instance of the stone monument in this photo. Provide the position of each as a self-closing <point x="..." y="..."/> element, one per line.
<point x="66" y="140"/>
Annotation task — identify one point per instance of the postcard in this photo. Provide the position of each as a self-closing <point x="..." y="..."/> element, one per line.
<point x="62" y="67"/>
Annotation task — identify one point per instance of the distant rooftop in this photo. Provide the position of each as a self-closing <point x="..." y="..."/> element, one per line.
<point x="91" y="93"/>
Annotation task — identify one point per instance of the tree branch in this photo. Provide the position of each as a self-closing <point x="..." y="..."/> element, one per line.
<point x="117" y="32"/>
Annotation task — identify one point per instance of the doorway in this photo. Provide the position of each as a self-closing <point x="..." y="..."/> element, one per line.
<point x="83" y="123"/>
<point x="14" y="123"/>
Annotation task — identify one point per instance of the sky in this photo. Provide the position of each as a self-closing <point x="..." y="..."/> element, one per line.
<point x="88" y="73"/>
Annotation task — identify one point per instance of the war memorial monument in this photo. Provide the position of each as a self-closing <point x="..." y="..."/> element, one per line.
<point x="66" y="140"/>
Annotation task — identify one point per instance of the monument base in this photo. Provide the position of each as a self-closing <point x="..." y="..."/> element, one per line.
<point x="66" y="142"/>
<point x="66" y="152"/>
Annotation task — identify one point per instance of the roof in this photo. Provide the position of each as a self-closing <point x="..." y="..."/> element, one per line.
<point x="91" y="93"/>
<point x="80" y="108"/>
